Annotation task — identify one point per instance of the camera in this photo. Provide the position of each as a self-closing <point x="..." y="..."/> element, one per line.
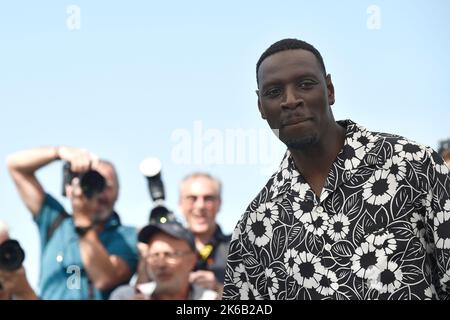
<point x="11" y="255"/>
<point x="91" y="182"/>
<point x="151" y="169"/>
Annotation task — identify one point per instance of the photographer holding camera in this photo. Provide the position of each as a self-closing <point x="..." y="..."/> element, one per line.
<point x="13" y="280"/>
<point x="87" y="254"/>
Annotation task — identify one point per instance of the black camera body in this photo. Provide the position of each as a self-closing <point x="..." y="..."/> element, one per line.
<point x="160" y="214"/>
<point x="91" y="181"/>
<point x="151" y="169"/>
<point x="11" y="255"/>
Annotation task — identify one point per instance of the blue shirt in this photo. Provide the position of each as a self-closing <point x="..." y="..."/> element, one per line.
<point x="62" y="273"/>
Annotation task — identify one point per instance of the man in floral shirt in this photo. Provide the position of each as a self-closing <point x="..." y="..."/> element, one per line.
<point x="350" y="214"/>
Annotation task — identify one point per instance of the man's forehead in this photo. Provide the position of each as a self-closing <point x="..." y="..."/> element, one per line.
<point x="195" y="185"/>
<point x="162" y="240"/>
<point x="298" y="59"/>
<point x="107" y="171"/>
<point x="106" y="167"/>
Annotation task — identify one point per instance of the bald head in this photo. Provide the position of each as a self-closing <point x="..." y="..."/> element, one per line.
<point x="110" y="195"/>
<point x="185" y="183"/>
<point x="200" y="200"/>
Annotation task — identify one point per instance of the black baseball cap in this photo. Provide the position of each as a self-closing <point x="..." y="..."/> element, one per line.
<point x="171" y="228"/>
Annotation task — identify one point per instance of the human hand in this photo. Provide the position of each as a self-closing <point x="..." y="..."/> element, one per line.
<point x="81" y="160"/>
<point x="15" y="284"/>
<point x="4" y="295"/>
<point x="84" y="210"/>
<point x="205" y="279"/>
<point x="139" y="296"/>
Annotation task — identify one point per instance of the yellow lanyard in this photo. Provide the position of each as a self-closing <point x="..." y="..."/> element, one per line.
<point x="205" y="251"/>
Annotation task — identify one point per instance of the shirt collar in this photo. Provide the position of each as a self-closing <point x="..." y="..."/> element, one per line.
<point x="113" y="221"/>
<point x="358" y="151"/>
<point x="219" y="236"/>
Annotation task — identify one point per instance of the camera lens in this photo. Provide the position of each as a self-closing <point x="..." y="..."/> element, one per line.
<point x="11" y="255"/>
<point x="92" y="183"/>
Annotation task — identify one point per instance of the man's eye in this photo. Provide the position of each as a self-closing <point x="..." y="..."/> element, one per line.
<point x="272" y="93"/>
<point x="307" y="84"/>
<point x="191" y="198"/>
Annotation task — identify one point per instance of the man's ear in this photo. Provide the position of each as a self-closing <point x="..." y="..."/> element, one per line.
<point x="330" y="90"/>
<point x="69" y="190"/>
<point x="192" y="260"/>
<point x="183" y="214"/>
<point x="263" y="115"/>
<point x="220" y="204"/>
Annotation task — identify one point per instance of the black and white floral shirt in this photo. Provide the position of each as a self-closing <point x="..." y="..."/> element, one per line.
<point x="380" y="229"/>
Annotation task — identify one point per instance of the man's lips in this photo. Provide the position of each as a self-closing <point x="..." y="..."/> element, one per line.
<point x="163" y="276"/>
<point x="199" y="219"/>
<point x="293" y="121"/>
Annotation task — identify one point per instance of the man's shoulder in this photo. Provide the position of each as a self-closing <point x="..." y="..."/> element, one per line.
<point x="378" y="136"/>
<point x="126" y="231"/>
<point x="392" y="137"/>
<point x="50" y="216"/>
<point x="128" y="228"/>
<point x="123" y="292"/>
<point x="400" y="149"/>
<point x="386" y="145"/>
<point x="406" y="148"/>
<point x="265" y="195"/>
<point x="221" y="237"/>
<point x="52" y="204"/>
<point x="114" y="223"/>
<point x="267" y="191"/>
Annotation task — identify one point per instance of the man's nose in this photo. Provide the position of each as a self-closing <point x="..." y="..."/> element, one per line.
<point x="199" y="202"/>
<point x="292" y="99"/>
<point x="103" y="197"/>
<point x="160" y="264"/>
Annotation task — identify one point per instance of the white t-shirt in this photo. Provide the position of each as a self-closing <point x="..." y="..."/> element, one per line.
<point x="127" y="292"/>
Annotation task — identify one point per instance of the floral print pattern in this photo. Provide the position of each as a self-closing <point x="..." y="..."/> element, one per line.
<point x="380" y="229"/>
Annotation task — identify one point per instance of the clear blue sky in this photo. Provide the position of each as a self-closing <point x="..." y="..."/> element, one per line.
<point x="176" y="80"/>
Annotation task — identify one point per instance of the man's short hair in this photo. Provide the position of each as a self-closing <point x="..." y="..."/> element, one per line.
<point x="290" y="44"/>
<point x="196" y="175"/>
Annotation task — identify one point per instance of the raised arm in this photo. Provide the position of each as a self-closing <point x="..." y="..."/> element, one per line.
<point x="23" y="165"/>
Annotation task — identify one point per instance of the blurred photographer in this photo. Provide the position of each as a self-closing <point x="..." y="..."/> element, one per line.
<point x="200" y="200"/>
<point x="168" y="259"/>
<point x="13" y="281"/>
<point x="87" y="254"/>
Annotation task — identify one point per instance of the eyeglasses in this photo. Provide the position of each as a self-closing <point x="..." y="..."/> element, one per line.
<point x="191" y="199"/>
<point x="170" y="257"/>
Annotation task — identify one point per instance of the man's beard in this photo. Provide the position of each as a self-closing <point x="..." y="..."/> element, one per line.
<point x="301" y="144"/>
